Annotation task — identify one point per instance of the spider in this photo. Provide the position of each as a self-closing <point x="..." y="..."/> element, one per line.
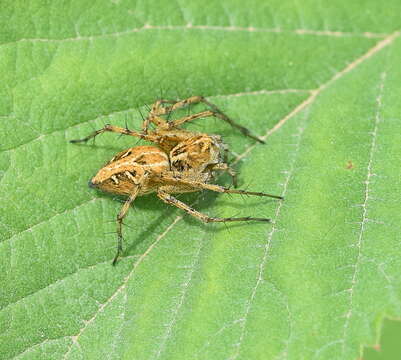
<point x="181" y="161"/>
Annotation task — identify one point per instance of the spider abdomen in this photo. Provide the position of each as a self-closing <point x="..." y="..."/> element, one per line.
<point x="127" y="170"/>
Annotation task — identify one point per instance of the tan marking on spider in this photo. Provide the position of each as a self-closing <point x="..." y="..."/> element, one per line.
<point x="179" y="161"/>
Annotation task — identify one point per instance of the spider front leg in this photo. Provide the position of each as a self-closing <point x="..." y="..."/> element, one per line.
<point x="215" y="111"/>
<point x="171" y="200"/>
<point x="119" y="130"/>
<point x="229" y="170"/>
<point x="154" y="115"/>
<point x="157" y="108"/>
<point x="120" y="217"/>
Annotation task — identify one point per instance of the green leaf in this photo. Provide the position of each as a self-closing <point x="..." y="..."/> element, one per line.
<point x="389" y="347"/>
<point x="319" y="81"/>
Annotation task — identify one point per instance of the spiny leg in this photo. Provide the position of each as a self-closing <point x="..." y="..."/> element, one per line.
<point x="157" y="108"/>
<point x="216" y="188"/>
<point x="222" y="189"/>
<point x="175" y="123"/>
<point x="182" y="103"/>
<point x="120" y="218"/>
<point x="154" y="114"/>
<point x="119" y="130"/>
<point x="171" y="200"/>
<point x="157" y="120"/>
<point x="229" y="170"/>
<point x="226" y="167"/>
<point x="216" y="112"/>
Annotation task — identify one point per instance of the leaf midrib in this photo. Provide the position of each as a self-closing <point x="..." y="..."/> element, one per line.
<point x="187" y="27"/>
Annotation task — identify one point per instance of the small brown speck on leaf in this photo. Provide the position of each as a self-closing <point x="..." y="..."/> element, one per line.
<point x="377" y="347"/>
<point x="350" y="165"/>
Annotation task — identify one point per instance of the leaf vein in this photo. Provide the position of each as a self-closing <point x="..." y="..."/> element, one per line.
<point x="11" y="238"/>
<point x="55" y="283"/>
<point x="40" y="344"/>
<point x="184" y="289"/>
<point x="267" y="246"/>
<point x="189" y="26"/>
<point x="121" y="287"/>
<point x="365" y="218"/>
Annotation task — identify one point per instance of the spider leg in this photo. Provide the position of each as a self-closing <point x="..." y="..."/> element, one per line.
<point x="158" y="109"/>
<point x="154" y="114"/>
<point x="171" y="200"/>
<point x="219" y="114"/>
<point x="216" y="188"/>
<point x="178" y="122"/>
<point x="119" y="130"/>
<point x="158" y="121"/>
<point x="229" y="170"/>
<point x="215" y="112"/>
<point x="120" y="218"/>
<point x="182" y="103"/>
<point x="222" y="189"/>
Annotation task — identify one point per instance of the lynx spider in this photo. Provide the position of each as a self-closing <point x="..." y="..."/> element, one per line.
<point x="182" y="161"/>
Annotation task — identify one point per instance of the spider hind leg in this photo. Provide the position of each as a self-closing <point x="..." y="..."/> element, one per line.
<point x="171" y="200"/>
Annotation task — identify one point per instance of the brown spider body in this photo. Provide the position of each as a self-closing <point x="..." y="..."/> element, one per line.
<point x="192" y="159"/>
<point x="180" y="161"/>
<point x="139" y="165"/>
<point x="197" y="153"/>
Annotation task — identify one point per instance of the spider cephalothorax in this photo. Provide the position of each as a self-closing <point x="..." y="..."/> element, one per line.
<point x="180" y="161"/>
<point x="197" y="153"/>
